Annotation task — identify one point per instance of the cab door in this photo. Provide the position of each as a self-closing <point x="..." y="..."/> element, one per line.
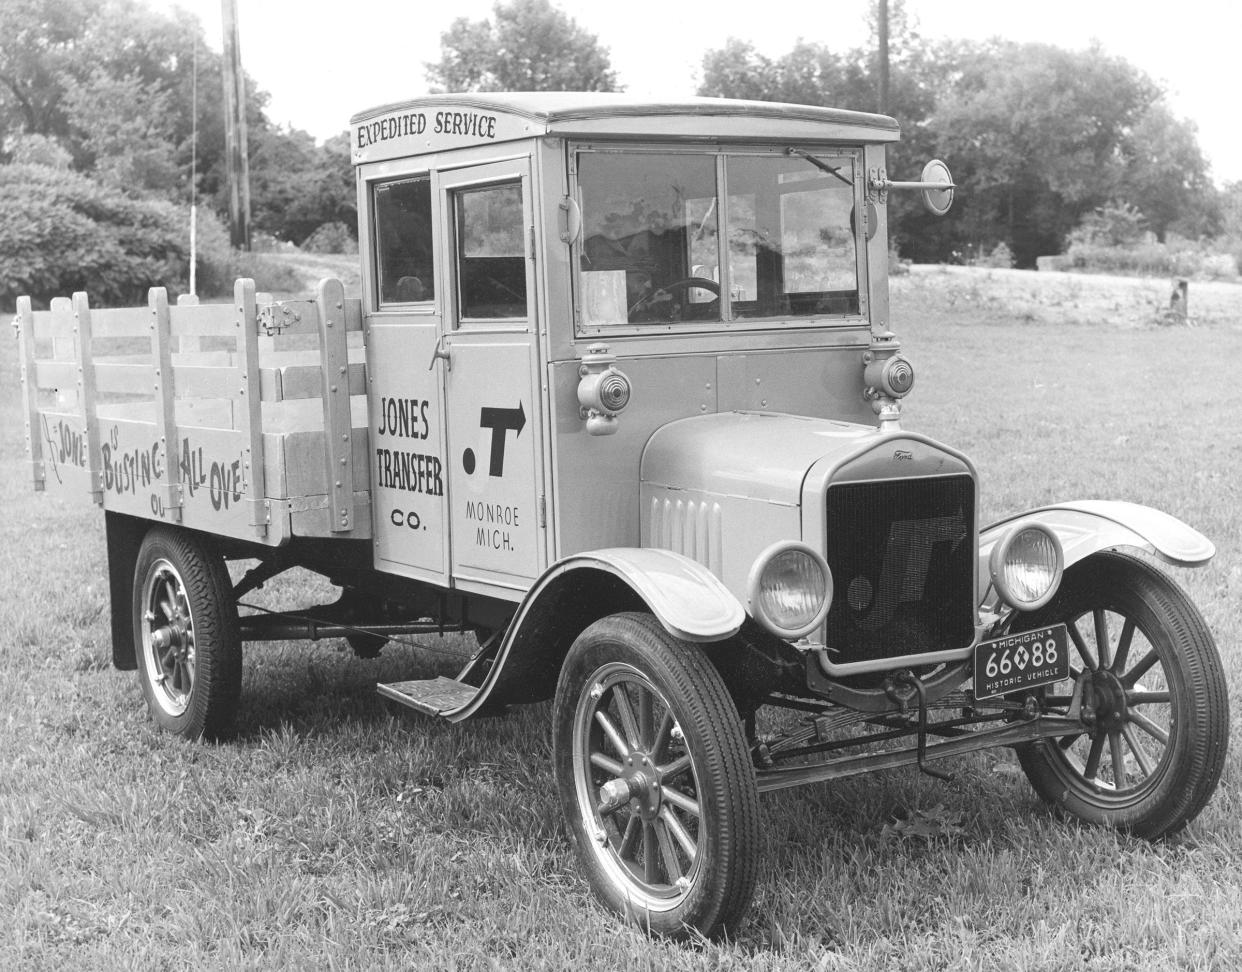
<point x="409" y="501"/>
<point x="488" y="356"/>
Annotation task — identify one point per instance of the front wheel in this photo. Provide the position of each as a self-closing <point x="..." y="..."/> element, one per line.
<point x="1148" y="682"/>
<point x="655" y="778"/>
<point x="188" y="643"/>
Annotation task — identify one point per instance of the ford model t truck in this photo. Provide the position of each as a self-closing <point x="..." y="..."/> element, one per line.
<point x="620" y="398"/>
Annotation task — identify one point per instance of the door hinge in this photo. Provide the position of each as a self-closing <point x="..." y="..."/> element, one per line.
<point x="543" y="511"/>
<point x="532" y="241"/>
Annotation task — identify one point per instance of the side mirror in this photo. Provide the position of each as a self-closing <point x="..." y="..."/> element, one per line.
<point x="936" y="185"/>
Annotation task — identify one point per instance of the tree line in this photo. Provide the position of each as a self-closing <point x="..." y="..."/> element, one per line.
<point x="126" y="103"/>
<point x="1041" y="139"/>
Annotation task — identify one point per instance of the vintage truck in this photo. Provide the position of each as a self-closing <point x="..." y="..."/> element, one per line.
<point x="620" y="398"/>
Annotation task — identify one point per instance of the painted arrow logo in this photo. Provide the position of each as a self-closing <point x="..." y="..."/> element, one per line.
<point x="500" y="421"/>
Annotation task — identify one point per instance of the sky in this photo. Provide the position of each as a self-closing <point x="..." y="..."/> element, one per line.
<point x="324" y="65"/>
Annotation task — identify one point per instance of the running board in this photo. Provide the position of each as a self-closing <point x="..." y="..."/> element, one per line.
<point x="433" y="696"/>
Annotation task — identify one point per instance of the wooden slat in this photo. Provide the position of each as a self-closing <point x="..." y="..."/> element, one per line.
<point x="26" y="338"/>
<point x="165" y="401"/>
<point x="205" y="382"/>
<point x="215" y="359"/>
<point x="86" y="393"/>
<point x="116" y="376"/>
<point x="49" y="325"/>
<point x="202" y="319"/>
<point x="120" y="322"/>
<point x="63" y="328"/>
<point x="250" y="415"/>
<point x="336" y="416"/>
<point x="205" y="413"/>
<point x="306" y="381"/>
<point x="188" y="342"/>
<point x="353" y="314"/>
<point x="53" y="374"/>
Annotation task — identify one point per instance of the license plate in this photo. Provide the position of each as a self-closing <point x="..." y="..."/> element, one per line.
<point x="1021" y="661"/>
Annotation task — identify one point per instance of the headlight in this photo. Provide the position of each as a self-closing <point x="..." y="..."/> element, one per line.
<point x="1026" y="566"/>
<point x="790" y="589"/>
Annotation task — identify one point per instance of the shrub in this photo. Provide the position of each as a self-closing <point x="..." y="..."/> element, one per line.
<point x="60" y="232"/>
<point x="331" y="238"/>
<point x="1113" y="224"/>
<point x="1001" y="256"/>
<point x="1177" y="258"/>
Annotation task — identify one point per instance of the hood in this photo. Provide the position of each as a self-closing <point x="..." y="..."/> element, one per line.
<point x="756" y="455"/>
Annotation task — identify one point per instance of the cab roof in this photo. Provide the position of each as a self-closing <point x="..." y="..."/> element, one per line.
<point x="436" y="122"/>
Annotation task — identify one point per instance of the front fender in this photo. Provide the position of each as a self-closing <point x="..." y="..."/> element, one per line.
<point x="1085" y="527"/>
<point x="685" y="597"/>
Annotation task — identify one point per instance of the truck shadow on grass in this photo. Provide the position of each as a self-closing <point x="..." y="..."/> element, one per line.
<point x="317" y="687"/>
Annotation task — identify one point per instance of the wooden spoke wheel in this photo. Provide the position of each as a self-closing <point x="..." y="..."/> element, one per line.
<point x="655" y="778"/>
<point x="1151" y="691"/>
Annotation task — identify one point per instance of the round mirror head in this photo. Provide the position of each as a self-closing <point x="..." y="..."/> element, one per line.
<point x="937" y="201"/>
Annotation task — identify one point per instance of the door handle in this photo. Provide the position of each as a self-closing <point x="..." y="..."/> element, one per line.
<point x="439" y="352"/>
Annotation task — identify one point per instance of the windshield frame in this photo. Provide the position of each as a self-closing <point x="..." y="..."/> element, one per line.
<point x="851" y="155"/>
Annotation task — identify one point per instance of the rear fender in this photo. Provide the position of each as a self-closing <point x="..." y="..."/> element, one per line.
<point x="686" y="598"/>
<point x="1085" y="527"/>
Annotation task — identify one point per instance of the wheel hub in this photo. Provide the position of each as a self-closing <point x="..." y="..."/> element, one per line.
<point x="643" y="780"/>
<point x="1105" y="702"/>
<point x="638" y="785"/>
<point x="172" y="636"/>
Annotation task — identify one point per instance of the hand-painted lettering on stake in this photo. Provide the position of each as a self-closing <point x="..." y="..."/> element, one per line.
<point x="68" y="445"/>
<point x="127" y="471"/>
<point x="131" y="470"/>
<point x="224" y="482"/>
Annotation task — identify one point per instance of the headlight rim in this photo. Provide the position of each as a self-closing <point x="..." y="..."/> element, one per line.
<point x="754" y="579"/>
<point x="996" y="565"/>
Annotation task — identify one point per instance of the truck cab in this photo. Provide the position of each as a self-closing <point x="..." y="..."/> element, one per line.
<point x="527" y="256"/>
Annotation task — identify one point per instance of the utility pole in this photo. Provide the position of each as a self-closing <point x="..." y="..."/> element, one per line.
<point x="883" y="56"/>
<point x="236" y="157"/>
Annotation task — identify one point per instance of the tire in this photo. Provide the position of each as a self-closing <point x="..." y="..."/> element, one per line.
<point x="186" y="635"/>
<point x="1155" y="711"/>
<point x="643" y="720"/>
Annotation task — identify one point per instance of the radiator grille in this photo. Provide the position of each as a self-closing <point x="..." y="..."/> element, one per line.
<point x="902" y="555"/>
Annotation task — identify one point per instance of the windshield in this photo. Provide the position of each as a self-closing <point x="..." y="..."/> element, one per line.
<point x="664" y="242"/>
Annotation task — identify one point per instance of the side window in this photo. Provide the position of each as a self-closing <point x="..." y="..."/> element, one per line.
<point x="491" y="252"/>
<point x="650" y="242"/>
<point x="403" y="241"/>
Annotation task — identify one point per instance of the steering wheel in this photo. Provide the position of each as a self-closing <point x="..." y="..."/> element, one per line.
<point x="666" y="292"/>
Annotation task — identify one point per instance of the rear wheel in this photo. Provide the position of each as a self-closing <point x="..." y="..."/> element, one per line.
<point x="655" y="778"/>
<point x="1148" y="680"/>
<point x="188" y="643"/>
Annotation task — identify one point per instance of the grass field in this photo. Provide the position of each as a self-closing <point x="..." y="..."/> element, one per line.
<point x="330" y="834"/>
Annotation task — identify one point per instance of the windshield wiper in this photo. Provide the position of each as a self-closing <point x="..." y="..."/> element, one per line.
<point x="823" y="166"/>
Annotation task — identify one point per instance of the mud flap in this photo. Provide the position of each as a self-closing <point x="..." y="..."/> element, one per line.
<point x="124" y="535"/>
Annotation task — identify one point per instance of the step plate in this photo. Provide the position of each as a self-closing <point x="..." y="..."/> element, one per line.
<point x="434" y="696"/>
